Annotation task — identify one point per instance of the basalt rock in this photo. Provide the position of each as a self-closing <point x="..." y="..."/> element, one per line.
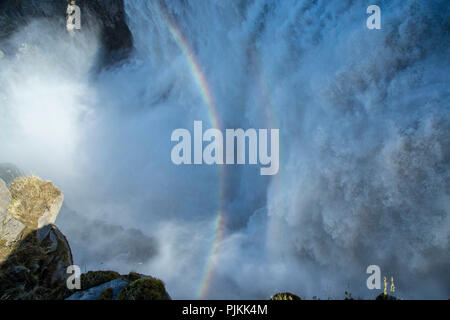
<point x="147" y="288"/>
<point x="34" y="202"/>
<point x="110" y="285"/>
<point x="34" y="254"/>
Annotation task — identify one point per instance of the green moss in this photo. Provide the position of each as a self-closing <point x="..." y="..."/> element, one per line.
<point x="106" y="294"/>
<point x="144" y="289"/>
<point x="59" y="293"/>
<point x="133" y="276"/>
<point x="285" y="296"/>
<point x="95" y="278"/>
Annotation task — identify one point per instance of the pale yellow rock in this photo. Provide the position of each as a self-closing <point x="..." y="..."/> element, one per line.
<point x="31" y="205"/>
<point x="35" y="202"/>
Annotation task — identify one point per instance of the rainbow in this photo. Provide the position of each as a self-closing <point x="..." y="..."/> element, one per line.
<point x="208" y="97"/>
<point x="197" y="72"/>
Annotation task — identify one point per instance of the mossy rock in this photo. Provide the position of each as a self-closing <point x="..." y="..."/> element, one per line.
<point x="40" y="274"/>
<point x="144" y="289"/>
<point x="107" y="294"/>
<point x="59" y="293"/>
<point x="285" y="296"/>
<point x="133" y="276"/>
<point x="95" y="278"/>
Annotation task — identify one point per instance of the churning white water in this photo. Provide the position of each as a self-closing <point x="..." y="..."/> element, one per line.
<point x="364" y="119"/>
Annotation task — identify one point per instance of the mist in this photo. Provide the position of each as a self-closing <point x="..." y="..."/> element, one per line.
<point x="364" y="120"/>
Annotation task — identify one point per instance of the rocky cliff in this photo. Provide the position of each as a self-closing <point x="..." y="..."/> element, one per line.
<point x="35" y="255"/>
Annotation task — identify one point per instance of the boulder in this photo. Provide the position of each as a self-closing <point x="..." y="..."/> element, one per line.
<point x="34" y="254"/>
<point x="95" y="293"/>
<point x="146" y="288"/>
<point x="133" y="286"/>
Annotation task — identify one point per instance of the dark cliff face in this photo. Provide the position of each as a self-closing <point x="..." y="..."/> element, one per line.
<point x="107" y="15"/>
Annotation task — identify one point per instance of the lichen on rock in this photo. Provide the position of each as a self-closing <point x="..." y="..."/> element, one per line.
<point x="35" y="202"/>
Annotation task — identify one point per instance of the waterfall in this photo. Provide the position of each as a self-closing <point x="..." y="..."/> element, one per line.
<point x="364" y="124"/>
